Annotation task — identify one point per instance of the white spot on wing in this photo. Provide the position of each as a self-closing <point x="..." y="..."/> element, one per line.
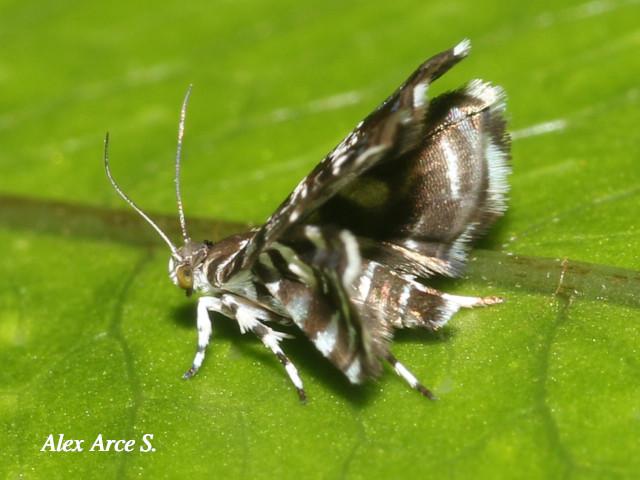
<point x="341" y="153"/>
<point x="273" y="287"/>
<point x="298" y="308"/>
<point x="297" y="270"/>
<point x="420" y="94"/>
<point x="354" y="262"/>
<point x="429" y="264"/>
<point x="295" y="265"/>
<point x="405" y="295"/>
<point x="364" y="287"/>
<point x="462" y="49"/>
<point x="354" y="371"/>
<point x="301" y="190"/>
<point x="412" y="244"/>
<point x="453" y="172"/>
<point x="326" y="340"/>
<point x="370" y="152"/>
<point x="488" y="94"/>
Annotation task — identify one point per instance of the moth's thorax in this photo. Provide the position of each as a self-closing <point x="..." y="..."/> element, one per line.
<point x="220" y="255"/>
<point x="197" y="266"/>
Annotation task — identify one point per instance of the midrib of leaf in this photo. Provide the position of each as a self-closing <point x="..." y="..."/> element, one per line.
<point x="529" y="273"/>
<point x="115" y="331"/>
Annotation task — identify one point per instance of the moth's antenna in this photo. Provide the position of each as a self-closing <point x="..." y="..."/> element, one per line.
<point x="131" y="203"/>
<point x="183" y="115"/>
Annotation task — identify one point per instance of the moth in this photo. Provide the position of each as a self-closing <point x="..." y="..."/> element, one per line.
<point x="345" y="257"/>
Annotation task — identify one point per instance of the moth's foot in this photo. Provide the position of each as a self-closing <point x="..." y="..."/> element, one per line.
<point x="302" y="396"/>
<point x="425" y="392"/>
<point x="409" y="377"/>
<point x="190" y="373"/>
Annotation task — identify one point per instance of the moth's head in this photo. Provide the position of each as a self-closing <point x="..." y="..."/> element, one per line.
<point x="185" y="262"/>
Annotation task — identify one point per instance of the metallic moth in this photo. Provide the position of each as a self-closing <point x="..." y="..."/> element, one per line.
<point x="344" y="258"/>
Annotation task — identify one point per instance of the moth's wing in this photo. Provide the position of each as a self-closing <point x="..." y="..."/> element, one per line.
<point x="421" y="211"/>
<point x="312" y="275"/>
<point x="394" y="128"/>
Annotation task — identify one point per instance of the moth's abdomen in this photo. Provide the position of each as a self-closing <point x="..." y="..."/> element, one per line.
<point x="385" y="297"/>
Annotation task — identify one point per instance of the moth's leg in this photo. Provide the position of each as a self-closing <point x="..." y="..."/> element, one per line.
<point x="204" y="331"/>
<point x="249" y="317"/>
<point x="409" y="377"/>
<point x="271" y="340"/>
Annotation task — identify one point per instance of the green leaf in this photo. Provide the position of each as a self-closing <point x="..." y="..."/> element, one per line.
<point x="94" y="338"/>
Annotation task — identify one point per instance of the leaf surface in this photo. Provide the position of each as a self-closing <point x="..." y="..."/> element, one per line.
<point x="94" y="338"/>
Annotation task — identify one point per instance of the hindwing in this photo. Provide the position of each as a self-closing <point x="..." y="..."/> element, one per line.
<point x="421" y="211"/>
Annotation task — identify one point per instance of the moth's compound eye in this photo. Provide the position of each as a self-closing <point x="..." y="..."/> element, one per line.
<point x="185" y="277"/>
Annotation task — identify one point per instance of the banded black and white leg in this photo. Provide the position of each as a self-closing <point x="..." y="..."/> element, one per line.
<point x="409" y="377"/>
<point x="271" y="339"/>
<point x="451" y="305"/>
<point x="205" y="304"/>
<point x="249" y="318"/>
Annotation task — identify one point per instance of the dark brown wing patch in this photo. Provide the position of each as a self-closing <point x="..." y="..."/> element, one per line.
<point x="312" y="275"/>
<point x="428" y="204"/>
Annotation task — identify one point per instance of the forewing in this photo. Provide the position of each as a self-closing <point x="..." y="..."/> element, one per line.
<point x="393" y="129"/>
<point x="312" y="275"/>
